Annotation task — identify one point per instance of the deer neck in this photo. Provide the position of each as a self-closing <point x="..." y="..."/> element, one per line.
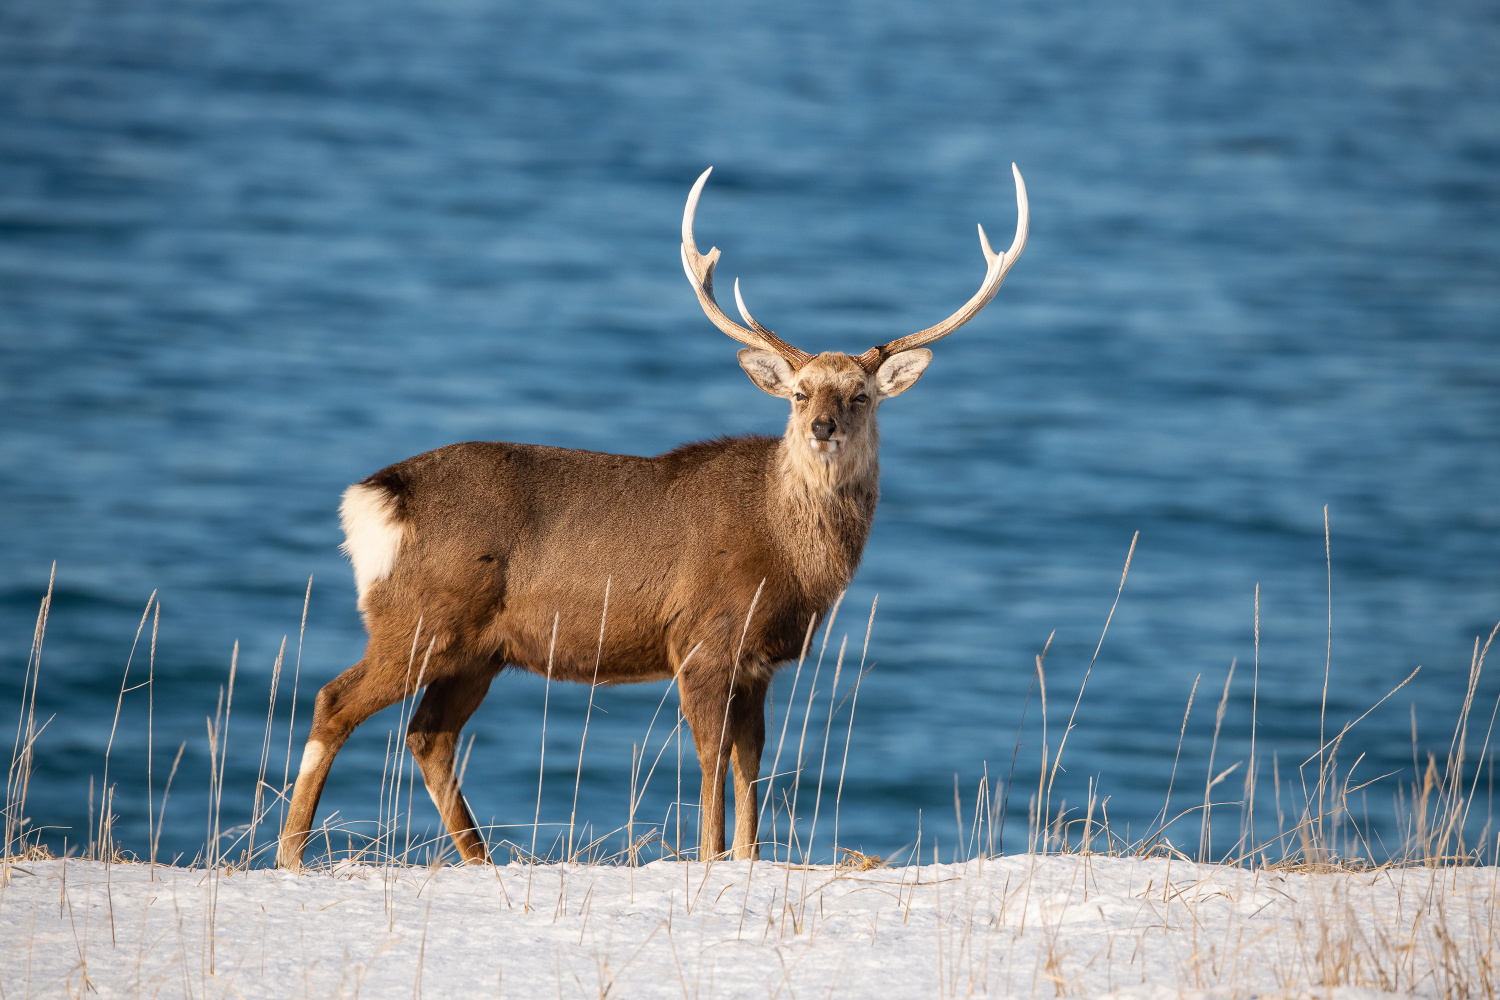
<point x="825" y="508"/>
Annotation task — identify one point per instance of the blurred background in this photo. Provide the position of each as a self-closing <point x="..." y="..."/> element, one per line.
<point x="253" y="251"/>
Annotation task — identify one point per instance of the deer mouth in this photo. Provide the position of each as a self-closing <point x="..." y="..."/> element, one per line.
<point x="827" y="446"/>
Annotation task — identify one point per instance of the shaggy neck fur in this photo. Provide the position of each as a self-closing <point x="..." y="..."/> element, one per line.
<point x="827" y="502"/>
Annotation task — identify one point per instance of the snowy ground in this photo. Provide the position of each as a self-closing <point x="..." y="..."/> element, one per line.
<point x="1020" y="926"/>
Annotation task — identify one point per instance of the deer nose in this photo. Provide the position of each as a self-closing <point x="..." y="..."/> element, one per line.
<point x="823" y="428"/>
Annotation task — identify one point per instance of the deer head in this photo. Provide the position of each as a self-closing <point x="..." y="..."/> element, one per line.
<point x="834" y="395"/>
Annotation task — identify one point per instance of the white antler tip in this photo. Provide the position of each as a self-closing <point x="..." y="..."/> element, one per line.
<point x="984" y="244"/>
<point x="740" y="303"/>
<point x="692" y="209"/>
<point x="1023" y="216"/>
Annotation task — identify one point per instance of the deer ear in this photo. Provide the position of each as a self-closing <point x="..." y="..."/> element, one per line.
<point x="768" y="370"/>
<point x="901" y="371"/>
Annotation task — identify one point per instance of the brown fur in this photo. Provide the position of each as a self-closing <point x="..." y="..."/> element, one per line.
<point x="499" y="541"/>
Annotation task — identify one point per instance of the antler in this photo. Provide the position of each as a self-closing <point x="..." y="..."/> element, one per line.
<point x="700" y="271"/>
<point x="999" y="265"/>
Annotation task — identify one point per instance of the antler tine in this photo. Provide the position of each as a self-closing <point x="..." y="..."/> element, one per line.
<point x="700" y="272"/>
<point x="997" y="266"/>
<point x="745" y="313"/>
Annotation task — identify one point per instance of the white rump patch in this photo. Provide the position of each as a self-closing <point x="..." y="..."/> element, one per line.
<point x="372" y="535"/>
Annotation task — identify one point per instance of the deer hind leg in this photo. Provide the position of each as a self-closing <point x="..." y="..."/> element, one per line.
<point x="433" y="738"/>
<point x="343" y="703"/>
<point x="747" y="735"/>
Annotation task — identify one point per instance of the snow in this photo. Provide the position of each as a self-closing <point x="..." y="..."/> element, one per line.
<point x="1028" y="925"/>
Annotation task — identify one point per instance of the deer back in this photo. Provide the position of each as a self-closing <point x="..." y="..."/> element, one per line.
<point x="485" y="544"/>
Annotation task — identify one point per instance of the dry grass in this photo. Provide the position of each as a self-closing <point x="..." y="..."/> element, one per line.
<point x="1428" y="944"/>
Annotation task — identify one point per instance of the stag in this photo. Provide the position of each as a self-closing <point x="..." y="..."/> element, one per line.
<point x="706" y="565"/>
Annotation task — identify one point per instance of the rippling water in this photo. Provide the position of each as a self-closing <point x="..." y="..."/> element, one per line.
<point x="251" y="252"/>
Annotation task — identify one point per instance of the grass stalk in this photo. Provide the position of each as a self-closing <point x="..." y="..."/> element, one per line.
<point x="588" y="713"/>
<point x="1205" y="834"/>
<point x="291" y="724"/>
<point x="849" y="735"/>
<point x="265" y="754"/>
<point x="23" y="751"/>
<point x="1062" y="743"/>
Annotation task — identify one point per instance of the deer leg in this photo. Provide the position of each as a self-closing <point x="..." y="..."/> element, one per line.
<point x="343" y="703"/>
<point x="747" y="733"/>
<point x="433" y="738"/>
<point x="704" y="701"/>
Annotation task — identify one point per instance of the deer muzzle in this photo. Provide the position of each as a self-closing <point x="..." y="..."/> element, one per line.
<point x="822" y="439"/>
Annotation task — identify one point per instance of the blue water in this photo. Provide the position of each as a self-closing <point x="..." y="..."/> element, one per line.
<point x="252" y="251"/>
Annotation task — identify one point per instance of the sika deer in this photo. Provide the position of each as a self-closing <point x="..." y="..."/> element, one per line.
<point x="466" y="558"/>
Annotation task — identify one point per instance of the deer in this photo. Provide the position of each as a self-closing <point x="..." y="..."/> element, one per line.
<point x="707" y="565"/>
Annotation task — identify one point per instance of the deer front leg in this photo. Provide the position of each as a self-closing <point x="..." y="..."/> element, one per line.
<point x="747" y="720"/>
<point x="705" y="699"/>
<point x="729" y="731"/>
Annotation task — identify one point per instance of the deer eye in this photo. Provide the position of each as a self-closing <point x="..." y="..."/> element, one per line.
<point x="861" y="398"/>
<point x="799" y="397"/>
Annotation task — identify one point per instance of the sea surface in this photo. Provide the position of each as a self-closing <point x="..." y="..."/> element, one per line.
<point x="253" y="251"/>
